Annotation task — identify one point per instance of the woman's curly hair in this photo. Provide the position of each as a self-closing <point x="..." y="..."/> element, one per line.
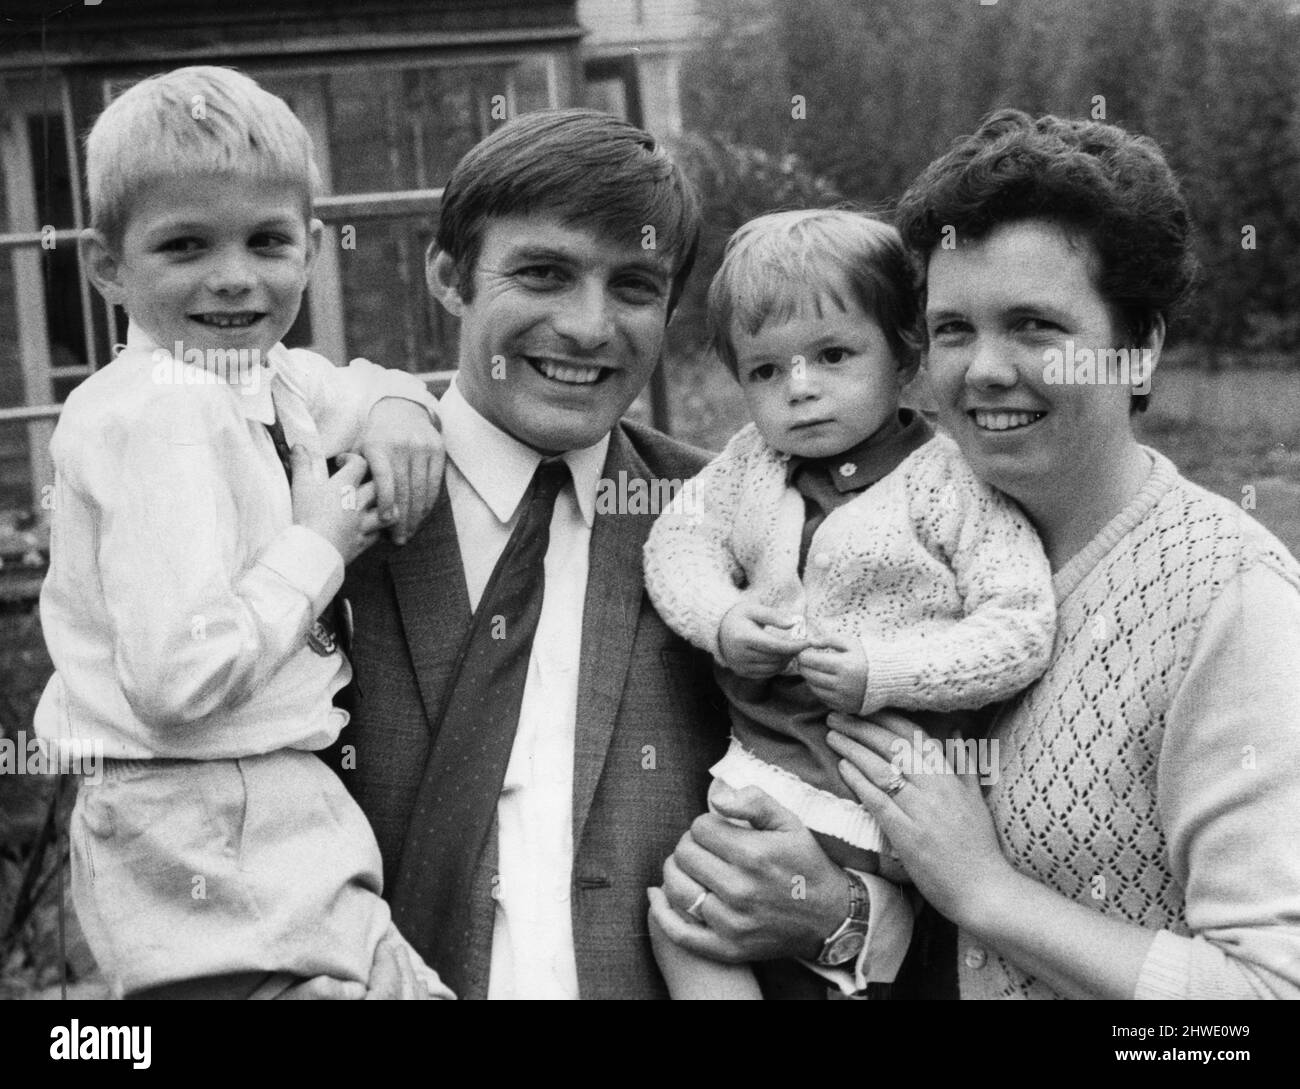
<point x="1108" y="185"/>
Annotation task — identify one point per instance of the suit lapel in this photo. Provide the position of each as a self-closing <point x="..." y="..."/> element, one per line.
<point x="429" y="582"/>
<point x="609" y="622"/>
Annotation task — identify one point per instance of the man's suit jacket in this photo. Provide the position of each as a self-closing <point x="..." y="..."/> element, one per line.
<point x="650" y="720"/>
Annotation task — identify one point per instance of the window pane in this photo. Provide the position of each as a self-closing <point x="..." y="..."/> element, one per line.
<point x="406" y="129"/>
<point x="15" y="471"/>
<point x="52" y="183"/>
<point x="390" y="317"/>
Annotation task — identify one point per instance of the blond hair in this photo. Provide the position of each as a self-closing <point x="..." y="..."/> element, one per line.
<point x="197" y="119"/>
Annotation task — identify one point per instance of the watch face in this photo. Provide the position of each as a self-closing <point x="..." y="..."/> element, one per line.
<point x="845" y="948"/>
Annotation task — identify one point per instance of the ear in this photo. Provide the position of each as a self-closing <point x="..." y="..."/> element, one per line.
<point x="315" y="235"/>
<point x="101" y="265"/>
<point x="443" y="278"/>
<point x="1153" y="343"/>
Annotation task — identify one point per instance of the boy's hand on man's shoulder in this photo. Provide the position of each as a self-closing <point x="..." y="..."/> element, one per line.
<point x="403" y="447"/>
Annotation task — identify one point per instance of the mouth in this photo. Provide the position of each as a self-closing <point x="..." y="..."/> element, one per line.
<point x="567" y="373"/>
<point x="807" y="424"/>
<point x="1003" y="419"/>
<point x="229" y="319"/>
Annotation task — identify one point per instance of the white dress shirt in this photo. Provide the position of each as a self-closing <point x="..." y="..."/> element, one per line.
<point x="488" y="472"/>
<point x="180" y="592"/>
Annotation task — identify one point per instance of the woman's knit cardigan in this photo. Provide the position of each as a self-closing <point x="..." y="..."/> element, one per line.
<point x="1153" y="772"/>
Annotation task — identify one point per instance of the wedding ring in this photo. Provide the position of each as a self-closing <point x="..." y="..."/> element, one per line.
<point x="896" y="783"/>
<point x="694" y="910"/>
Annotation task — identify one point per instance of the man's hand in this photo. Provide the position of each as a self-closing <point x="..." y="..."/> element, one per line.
<point x="835" y="668"/>
<point x="773" y="892"/>
<point x="749" y="648"/>
<point x="404" y="449"/>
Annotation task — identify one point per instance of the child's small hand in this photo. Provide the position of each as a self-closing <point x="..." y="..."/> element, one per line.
<point x="404" y="449"/>
<point x="340" y="508"/>
<point x="748" y="646"/>
<point x="835" y="667"/>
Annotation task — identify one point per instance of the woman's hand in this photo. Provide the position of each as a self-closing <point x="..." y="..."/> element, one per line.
<point x="937" y="822"/>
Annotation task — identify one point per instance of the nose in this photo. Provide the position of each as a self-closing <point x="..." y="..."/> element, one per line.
<point x="801" y="385"/>
<point x="584" y="316"/>
<point x="231" y="272"/>
<point x="990" y="366"/>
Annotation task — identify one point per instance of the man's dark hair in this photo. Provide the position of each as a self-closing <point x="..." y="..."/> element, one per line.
<point x="1101" y="183"/>
<point x="589" y="169"/>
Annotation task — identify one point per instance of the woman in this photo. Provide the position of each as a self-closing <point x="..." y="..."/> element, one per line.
<point x="1142" y="837"/>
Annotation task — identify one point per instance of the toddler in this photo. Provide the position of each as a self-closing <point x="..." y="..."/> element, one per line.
<point x="836" y="555"/>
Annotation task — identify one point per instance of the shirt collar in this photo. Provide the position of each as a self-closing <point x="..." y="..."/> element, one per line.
<point x="875" y="457"/>
<point x="254" y="400"/>
<point x="499" y="467"/>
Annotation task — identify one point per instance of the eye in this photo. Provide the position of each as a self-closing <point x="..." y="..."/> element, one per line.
<point x="181" y="246"/>
<point x="639" y="290"/>
<point x="949" y="330"/>
<point x="836" y="355"/>
<point x="269" y="240"/>
<point x="764" y="372"/>
<point x="1038" y="325"/>
<point x="540" y="276"/>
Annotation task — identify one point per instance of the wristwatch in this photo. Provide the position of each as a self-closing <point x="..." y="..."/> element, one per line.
<point x="851" y="935"/>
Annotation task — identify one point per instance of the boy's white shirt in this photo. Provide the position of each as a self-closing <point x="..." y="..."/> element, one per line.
<point x="180" y="592"/>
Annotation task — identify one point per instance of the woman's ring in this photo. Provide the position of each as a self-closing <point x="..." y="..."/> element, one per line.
<point x="694" y="910"/>
<point x="896" y="783"/>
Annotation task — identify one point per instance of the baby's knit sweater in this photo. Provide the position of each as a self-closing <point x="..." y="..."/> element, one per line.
<point x="1153" y="773"/>
<point x="941" y="577"/>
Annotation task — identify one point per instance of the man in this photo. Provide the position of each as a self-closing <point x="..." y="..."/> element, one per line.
<point x="529" y="760"/>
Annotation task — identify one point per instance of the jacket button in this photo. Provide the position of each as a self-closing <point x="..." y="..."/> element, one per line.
<point x="822" y="559"/>
<point x="976" y="958"/>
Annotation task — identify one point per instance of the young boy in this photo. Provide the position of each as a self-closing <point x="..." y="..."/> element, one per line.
<point x="196" y="539"/>
<point x="835" y="555"/>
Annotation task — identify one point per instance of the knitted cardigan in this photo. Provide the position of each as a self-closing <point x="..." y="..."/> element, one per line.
<point x="940" y="576"/>
<point x="1153" y="773"/>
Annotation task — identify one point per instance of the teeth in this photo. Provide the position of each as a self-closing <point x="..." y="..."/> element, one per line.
<point x="579" y="376"/>
<point x="1004" y="421"/>
<point x="228" y="321"/>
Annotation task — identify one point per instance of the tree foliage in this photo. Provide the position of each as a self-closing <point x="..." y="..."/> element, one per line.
<point x="865" y="94"/>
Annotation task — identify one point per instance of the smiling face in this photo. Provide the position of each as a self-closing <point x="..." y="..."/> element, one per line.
<point x="563" y="329"/>
<point x="214" y="261"/>
<point x="995" y="308"/>
<point x="820" y="381"/>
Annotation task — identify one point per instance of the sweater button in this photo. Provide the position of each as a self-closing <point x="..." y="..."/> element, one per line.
<point x="976" y="958"/>
<point x="822" y="559"/>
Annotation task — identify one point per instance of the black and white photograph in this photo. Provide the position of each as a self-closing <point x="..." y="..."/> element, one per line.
<point x="711" y="500"/>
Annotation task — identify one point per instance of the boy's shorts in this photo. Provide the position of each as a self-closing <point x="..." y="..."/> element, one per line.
<point x="183" y="869"/>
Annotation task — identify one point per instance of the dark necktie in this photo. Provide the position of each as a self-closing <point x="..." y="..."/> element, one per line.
<point x="454" y="808"/>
